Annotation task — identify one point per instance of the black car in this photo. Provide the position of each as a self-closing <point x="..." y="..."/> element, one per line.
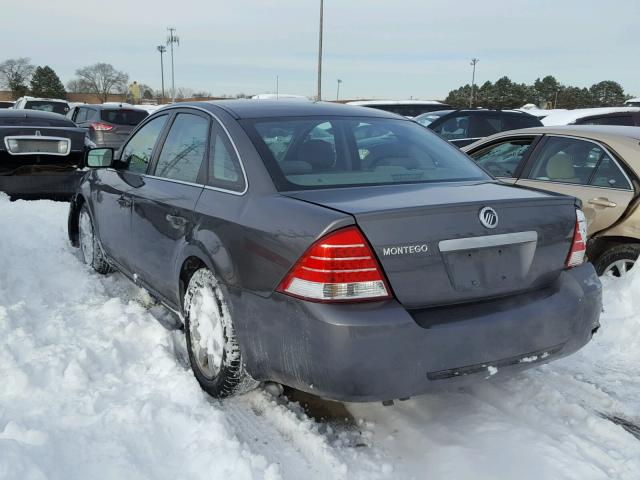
<point x="463" y="127"/>
<point x="629" y="118"/>
<point x="344" y="251"/>
<point x="40" y="154"/>
<point x="108" y="125"/>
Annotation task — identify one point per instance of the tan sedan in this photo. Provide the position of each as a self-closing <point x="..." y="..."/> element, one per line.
<point x="598" y="164"/>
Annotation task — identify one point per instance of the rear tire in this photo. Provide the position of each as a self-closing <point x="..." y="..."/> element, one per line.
<point x="214" y="353"/>
<point x="617" y="261"/>
<point x="90" y="248"/>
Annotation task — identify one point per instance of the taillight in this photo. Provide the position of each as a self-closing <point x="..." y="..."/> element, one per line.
<point x="579" y="244"/>
<point x="101" y="127"/>
<point x="340" y="266"/>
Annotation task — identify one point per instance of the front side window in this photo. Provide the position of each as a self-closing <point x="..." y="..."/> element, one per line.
<point x="328" y="152"/>
<point x="137" y="152"/>
<point x="224" y="167"/>
<point x="568" y="160"/>
<point x="184" y="149"/>
<point x="503" y="159"/>
<point x="454" y="128"/>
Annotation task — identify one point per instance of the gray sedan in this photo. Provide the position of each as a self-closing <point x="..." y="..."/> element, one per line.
<point x="339" y="250"/>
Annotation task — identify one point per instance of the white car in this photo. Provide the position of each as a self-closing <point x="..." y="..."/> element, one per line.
<point x="572" y="117"/>
<point x="54" y="105"/>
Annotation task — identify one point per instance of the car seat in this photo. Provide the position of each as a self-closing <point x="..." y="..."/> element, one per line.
<point x="318" y="153"/>
<point x="560" y="167"/>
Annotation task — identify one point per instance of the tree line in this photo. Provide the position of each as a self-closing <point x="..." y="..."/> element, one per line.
<point x="547" y="92"/>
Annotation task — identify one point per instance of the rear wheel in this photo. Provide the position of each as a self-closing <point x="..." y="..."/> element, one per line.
<point x="89" y="246"/>
<point x="214" y="353"/>
<point x="617" y="261"/>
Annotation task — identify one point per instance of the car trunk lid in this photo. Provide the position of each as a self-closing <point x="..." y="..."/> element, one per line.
<point x="434" y="249"/>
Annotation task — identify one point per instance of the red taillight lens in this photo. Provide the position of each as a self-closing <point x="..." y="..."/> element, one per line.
<point x="579" y="244"/>
<point x="101" y="127"/>
<point x="340" y="266"/>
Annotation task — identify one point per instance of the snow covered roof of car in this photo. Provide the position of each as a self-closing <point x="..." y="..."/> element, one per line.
<point x="569" y="116"/>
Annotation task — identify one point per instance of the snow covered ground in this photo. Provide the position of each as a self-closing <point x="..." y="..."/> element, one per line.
<point x="92" y="386"/>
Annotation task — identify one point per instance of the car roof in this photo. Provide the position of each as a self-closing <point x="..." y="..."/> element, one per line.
<point x="41" y="99"/>
<point x="26" y="113"/>
<point x="287" y="108"/>
<point x="111" y="106"/>
<point x="394" y="102"/>
<point x="568" y="116"/>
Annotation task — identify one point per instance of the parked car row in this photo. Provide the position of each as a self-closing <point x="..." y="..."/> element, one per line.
<point x="347" y="252"/>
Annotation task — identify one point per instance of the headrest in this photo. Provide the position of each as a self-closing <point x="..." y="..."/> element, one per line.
<point x="318" y="153"/>
<point x="560" y="166"/>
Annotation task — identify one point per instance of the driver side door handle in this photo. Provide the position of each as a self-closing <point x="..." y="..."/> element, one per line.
<point x="124" y="202"/>
<point x="603" y="202"/>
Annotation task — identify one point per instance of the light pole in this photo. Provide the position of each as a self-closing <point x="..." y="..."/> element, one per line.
<point x="320" y="53"/>
<point x="162" y="49"/>
<point x="473" y="63"/>
<point x="338" y="91"/>
<point x="171" y="39"/>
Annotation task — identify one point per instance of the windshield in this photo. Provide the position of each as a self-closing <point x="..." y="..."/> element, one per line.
<point x="308" y="153"/>
<point x="427" y="118"/>
<point x="44" y="106"/>
<point x="123" y="117"/>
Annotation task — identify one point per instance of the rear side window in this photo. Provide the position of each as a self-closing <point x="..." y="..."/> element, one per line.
<point x="44" y="106"/>
<point x="608" y="120"/>
<point x="184" y="149"/>
<point x="137" y="152"/>
<point x="517" y="121"/>
<point x="316" y="152"/>
<point x="485" y="124"/>
<point x="123" y="117"/>
<point x="224" y="167"/>
<point x="82" y="115"/>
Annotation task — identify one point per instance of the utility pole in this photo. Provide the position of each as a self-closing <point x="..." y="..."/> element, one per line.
<point x="473" y="63"/>
<point x="171" y="39"/>
<point x="320" y="53"/>
<point x="338" y="91"/>
<point x="162" y="49"/>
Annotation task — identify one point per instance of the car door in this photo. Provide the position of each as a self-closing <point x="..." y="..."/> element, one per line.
<point x="164" y="203"/>
<point x="111" y="193"/>
<point x="505" y="158"/>
<point x="584" y="169"/>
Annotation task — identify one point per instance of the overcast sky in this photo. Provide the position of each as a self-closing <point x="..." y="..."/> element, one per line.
<point x="380" y="49"/>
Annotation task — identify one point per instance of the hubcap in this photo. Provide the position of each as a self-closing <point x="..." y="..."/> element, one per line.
<point x="86" y="236"/>
<point x="206" y="331"/>
<point x="619" y="268"/>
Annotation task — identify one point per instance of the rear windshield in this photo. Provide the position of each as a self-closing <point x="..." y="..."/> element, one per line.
<point x="123" y="117"/>
<point x="409" y="110"/>
<point x="312" y="152"/>
<point x="45" y="106"/>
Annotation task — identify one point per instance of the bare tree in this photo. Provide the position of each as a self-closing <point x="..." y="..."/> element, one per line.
<point x="184" y="92"/>
<point x="77" y="86"/>
<point x="102" y="79"/>
<point x="14" y="75"/>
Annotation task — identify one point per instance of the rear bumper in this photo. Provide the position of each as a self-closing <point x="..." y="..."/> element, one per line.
<point x="59" y="186"/>
<point x="380" y="351"/>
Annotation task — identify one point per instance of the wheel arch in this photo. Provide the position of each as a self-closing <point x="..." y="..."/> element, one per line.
<point x="73" y="229"/>
<point x="599" y="245"/>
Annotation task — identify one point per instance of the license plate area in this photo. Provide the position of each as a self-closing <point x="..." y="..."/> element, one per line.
<point x="493" y="262"/>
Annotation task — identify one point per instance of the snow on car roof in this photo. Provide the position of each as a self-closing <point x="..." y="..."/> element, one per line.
<point x="395" y="102"/>
<point x="569" y="116"/>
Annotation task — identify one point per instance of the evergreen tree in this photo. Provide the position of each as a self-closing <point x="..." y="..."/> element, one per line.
<point x="607" y="94"/>
<point x="45" y="83"/>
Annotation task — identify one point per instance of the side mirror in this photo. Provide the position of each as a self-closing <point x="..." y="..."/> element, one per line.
<point x="99" y="157"/>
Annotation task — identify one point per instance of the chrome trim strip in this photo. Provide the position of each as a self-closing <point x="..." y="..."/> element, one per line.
<point x="486" y="241"/>
<point x="233" y="144"/>
<point x="37" y="137"/>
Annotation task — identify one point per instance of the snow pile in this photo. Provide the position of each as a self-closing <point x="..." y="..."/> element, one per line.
<point x="91" y="385"/>
<point x="94" y="387"/>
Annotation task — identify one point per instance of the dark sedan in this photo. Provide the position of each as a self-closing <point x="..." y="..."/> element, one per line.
<point x="108" y="125"/>
<point x="40" y="154"/>
<point x="340" y="250"/>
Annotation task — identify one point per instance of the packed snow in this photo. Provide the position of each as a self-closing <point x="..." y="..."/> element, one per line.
<point x="96" y="385"/>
